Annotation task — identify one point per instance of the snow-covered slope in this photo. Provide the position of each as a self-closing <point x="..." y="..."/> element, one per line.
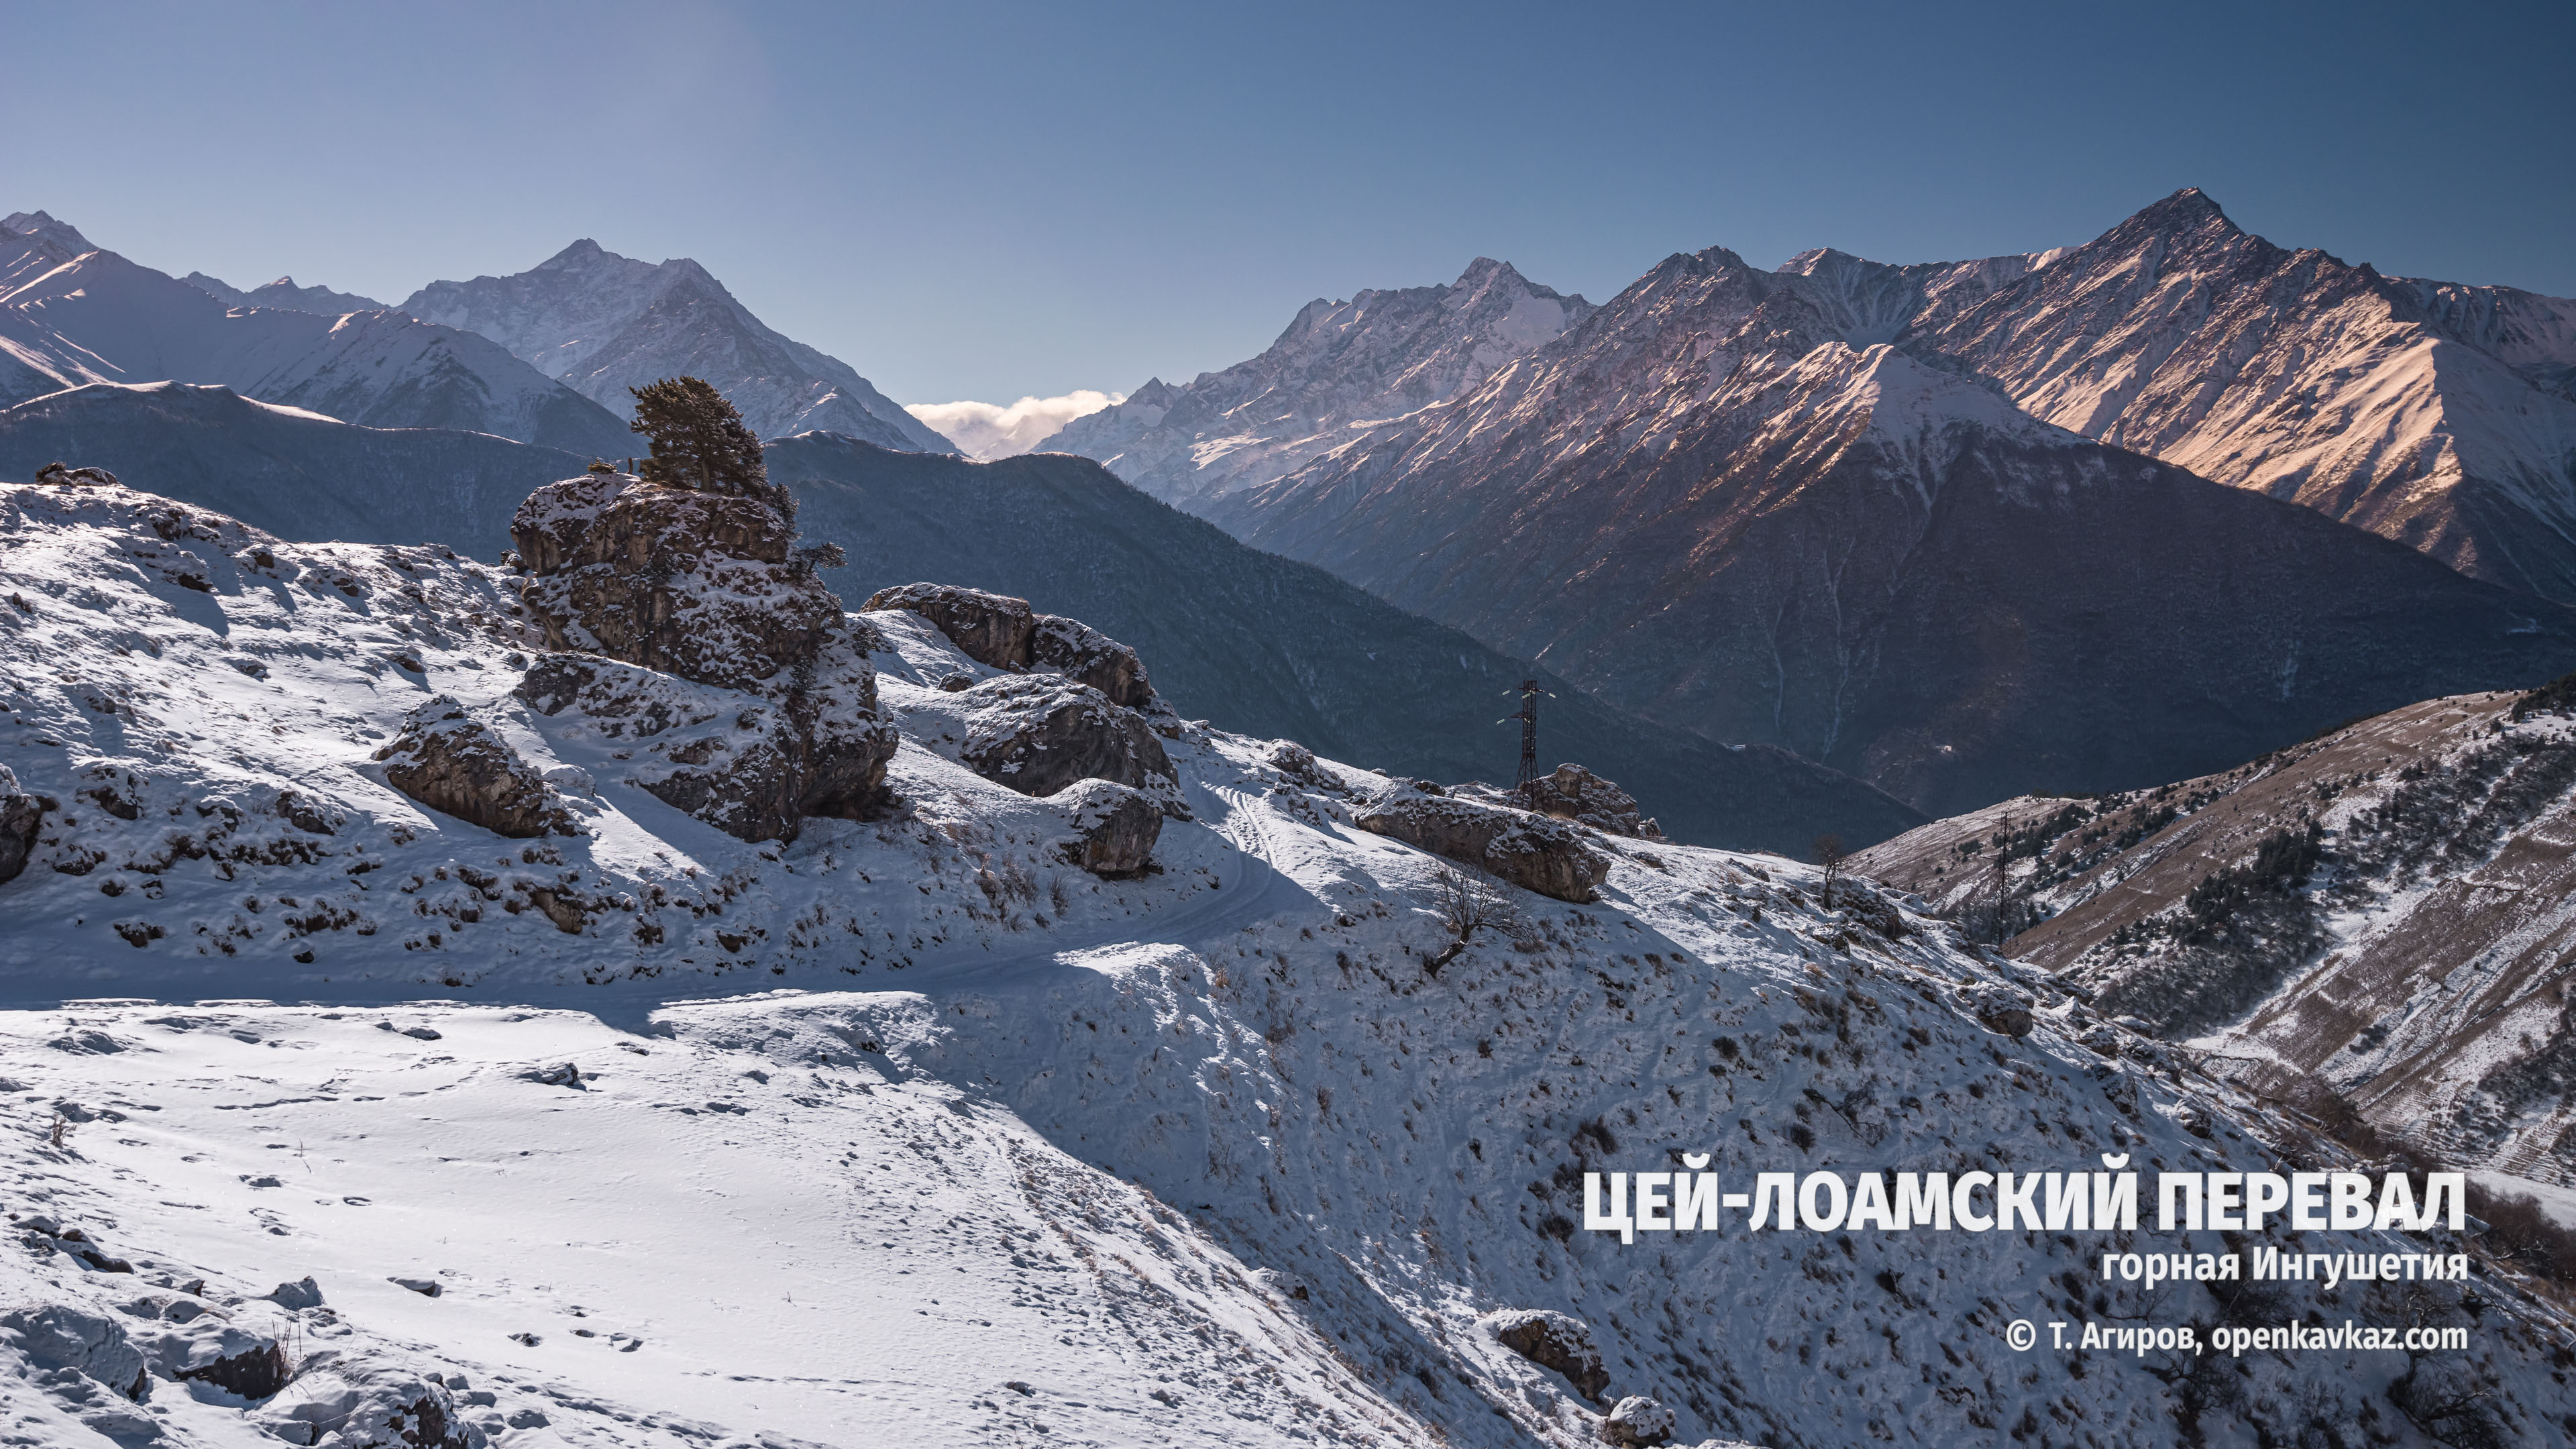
<point x="605" y="323"/>
<point x="68" y="318"/>
<point x="296" y="473"/>
<point x="2383" y="911"/>
<point x="1206" y="1157"/>
<point x="2436" y="414"/>
<point x="1716" y="502"/>
<point x="284" y="293"/>
<point x="1339" y="365"/>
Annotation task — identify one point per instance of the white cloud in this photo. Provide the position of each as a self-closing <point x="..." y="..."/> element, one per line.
<point x="987" y="431"/>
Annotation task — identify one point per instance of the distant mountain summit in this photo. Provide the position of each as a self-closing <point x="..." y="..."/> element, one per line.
<point x="2436" y="414"/>
<point x="603" y="323"/>
<point x="1339" y="365"/>
<point x="284" y="293"/>
<point x="72" y="314"/>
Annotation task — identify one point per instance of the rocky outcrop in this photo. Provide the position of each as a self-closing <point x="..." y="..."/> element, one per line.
<point x="751" y="768"/>
<point x="1997" y="1007"/>
<point x="1116" y="827"/>
<point x="991" y="629"/>
<point x="452" y="763"/>
<point x="694" y="584"/>
<point x="1575" y="793"/>
<point x="1556" y="1341"/>
<point x="362" y="1407"/>
<point x="1636" y="1422"/>
<point x="186" y="1340"/>
<point x="1529" y="850"/>
<point x="702" y="586"/>
<point x="1086" y="656"/>
<point x="1000" y="632"/>
<point x="20" y="813"/>
<point x="1038" y="734"/>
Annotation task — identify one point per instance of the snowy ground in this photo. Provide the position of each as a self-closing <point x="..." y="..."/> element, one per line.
<point x="908" y="1132"/>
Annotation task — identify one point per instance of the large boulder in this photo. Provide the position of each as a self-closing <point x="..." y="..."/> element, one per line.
<point x="1086" y="656"/>
<point x="695" y="584"/>
<point x="1527" y="849"/>
<point x="1000" y="632"/>
<point x="20" y="814"/>
<point x="1556" y="1341"/>
<point x="1038" y="734"/>
<point x="1575" y="793"/>
<point x="1637" y="1422"/>
<point x="1115" y="827"/>
<point x="457" y="765"/>
<point x="991" y="629"/>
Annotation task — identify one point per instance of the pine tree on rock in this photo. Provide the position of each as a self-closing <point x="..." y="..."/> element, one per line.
<point x="699" y="440"/>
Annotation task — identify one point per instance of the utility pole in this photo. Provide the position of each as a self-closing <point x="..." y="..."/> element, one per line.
<point x="1529" y="692"/>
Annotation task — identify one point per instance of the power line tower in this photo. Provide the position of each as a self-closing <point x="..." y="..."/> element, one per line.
<point x="1529" y="693"/>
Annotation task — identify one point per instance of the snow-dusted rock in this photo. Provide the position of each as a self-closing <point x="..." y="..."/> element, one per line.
<point x="64" y="1336"/>
<point x="1636" y="1422"/>
<point x="1038" y="734"/>
<point x="2002" y="1009"/>
<point x="1529" y="850"/>
<point x="696" y="584"/>
<point x="1002" y="632"/>
<point x="368" y="1406"/>
<point x="991" y="629"/>
<point x="20" y="814"/>
<point x="1117" y="825"/>
<point x="1086" y="656"/>
<point x="1553" y="1340"/>
<point x="207" y="1347"/>
<point x="1575" y="793"/>
<point x="458" y="765"/>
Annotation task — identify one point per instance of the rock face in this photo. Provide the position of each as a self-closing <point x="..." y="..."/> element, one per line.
<point x="454" y="764"/>
<point x="1117" y="826"/>
<point x="1575" y="793"/>
<point x="1637" y="1421"/>
<point x="1086" y="656"/>
<point x="991" y="629"/>
<point x="1998" y="1008"/>
<point x="1556" y="1341"/>
<point x="1038" y="735"/>
<point x="1001" y="632"/>
<point x="19" y="814"/>
<point x="1529" y="850"/>
<point x="694" y="584"/>
<point x="752" y="768"/>
<point x="671" y="582"/>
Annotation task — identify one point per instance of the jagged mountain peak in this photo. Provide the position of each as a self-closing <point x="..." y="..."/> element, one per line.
<point x="603" y="323"/>
<point x="46" y="228"/>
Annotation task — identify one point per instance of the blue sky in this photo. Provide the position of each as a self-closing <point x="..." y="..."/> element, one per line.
<point x="984" y="201"/>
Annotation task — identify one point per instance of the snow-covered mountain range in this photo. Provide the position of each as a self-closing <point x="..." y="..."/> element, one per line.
<point x="284" y="293"/>
<point x="1718" y="502"/>
<point x="2437" y="414"/>
<point x="1339" y="366"/>
<point x="605" y="323"/>
<point x="628" y="1126"/>
<point x="73" y="314"/>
